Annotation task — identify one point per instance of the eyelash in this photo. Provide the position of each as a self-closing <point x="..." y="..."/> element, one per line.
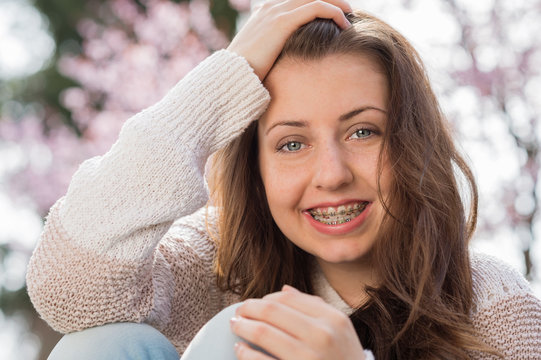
<point x="282" y="145"/>
<point x="371" y="133"/>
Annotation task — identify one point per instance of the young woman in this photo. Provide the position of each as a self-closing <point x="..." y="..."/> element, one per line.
<point x="335" y="210"/>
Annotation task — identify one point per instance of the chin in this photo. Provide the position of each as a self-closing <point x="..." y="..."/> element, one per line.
<point x="344" y="258"/>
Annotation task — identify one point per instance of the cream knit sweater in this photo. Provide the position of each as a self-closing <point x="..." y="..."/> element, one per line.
<point x="113" y="250"/>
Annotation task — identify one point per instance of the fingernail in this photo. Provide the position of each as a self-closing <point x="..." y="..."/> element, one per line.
<point x="288" y="288"/>
<point x="234" y="320"/>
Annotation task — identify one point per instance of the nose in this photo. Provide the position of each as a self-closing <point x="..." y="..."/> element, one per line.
<point x="331" y="168"/>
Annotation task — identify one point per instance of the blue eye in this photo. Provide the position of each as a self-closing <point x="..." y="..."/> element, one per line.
<point x="362" y="133"/>
<point x="293" y="146"/>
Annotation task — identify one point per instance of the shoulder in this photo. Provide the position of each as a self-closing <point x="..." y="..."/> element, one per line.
<point x="494" y="280"/>
<point x="506" y="314"/>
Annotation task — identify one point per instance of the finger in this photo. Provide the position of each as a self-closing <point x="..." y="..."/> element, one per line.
<point x="283" y="317"/>
<point x="245" y="352"/>
<point x="343" y="5"/>
<point x="300" y="12"/>
<point x="310" y="305"/>
<point x="271" y="339"/>
<point x="320" y="9"/>
<point x="324" y="318"/>
<point x="263" y="36"/>
<point x="330" y="327"/>
<point x="306" y="318"/>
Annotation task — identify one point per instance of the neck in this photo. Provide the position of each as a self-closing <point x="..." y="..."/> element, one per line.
<point x="349" y="280"/>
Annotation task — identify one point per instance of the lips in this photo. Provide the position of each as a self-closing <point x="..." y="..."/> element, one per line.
<point x="336" y="215"/>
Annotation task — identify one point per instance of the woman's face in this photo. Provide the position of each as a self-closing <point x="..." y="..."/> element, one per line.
<point x="319" y="144"/>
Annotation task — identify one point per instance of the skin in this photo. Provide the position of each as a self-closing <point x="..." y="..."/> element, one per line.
<point x="294" y="325"/>
<point x="291" y="324"/>
<point x="319" y="145"/>
<point x="272" y="23"/>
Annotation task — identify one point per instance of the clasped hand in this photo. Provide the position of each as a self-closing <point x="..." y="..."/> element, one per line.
<point x="290" y="324"/>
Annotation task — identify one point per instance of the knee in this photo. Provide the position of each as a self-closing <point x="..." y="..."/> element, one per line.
<point x="115" y="341"/>
<point x="215" y="339"/>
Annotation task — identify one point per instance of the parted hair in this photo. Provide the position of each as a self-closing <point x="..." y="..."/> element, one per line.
<point x="420" y="307"/>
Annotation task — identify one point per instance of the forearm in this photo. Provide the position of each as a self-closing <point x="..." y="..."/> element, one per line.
<point x="94" y="262"/>
<point x="154" y="172"/>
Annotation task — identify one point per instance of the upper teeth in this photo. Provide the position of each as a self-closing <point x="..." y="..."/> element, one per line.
<point x="338" y="215"/>
<point x="340" y="210"/>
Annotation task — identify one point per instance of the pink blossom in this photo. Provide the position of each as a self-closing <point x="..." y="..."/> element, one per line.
<point x="125" y="66"/>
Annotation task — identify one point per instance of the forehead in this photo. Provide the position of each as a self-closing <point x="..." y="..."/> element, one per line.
<point x="327" y="87"/>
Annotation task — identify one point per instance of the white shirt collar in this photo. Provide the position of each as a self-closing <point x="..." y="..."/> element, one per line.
<point x="323" y="289"/>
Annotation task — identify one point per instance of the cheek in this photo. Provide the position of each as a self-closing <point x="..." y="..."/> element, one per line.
<point x="283" y="184"/>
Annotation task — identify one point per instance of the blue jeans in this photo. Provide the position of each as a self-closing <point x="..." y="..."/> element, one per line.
<point x="124" y="341"/>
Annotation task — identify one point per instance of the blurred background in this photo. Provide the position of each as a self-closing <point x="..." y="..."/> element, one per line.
<point x="71" y="72"/>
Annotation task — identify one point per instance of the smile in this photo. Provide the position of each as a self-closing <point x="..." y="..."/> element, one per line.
<point x="338" y="215"/>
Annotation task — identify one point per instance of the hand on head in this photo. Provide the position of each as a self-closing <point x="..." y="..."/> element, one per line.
<point x="261" y="40"/>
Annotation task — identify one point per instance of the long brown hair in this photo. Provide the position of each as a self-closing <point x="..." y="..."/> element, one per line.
<point x="420" y="307"/>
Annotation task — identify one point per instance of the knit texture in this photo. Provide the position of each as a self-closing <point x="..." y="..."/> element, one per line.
<point x="128" y="244"/>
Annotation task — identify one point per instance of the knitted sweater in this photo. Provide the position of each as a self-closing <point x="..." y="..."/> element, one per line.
<point x="127" y="244"/>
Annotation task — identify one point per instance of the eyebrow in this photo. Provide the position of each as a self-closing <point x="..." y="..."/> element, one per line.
<point x="344" y="117"/>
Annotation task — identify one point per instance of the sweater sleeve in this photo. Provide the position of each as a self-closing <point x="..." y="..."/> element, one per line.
<point x="507" y="315"/>
<point x="105" y="254"/>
